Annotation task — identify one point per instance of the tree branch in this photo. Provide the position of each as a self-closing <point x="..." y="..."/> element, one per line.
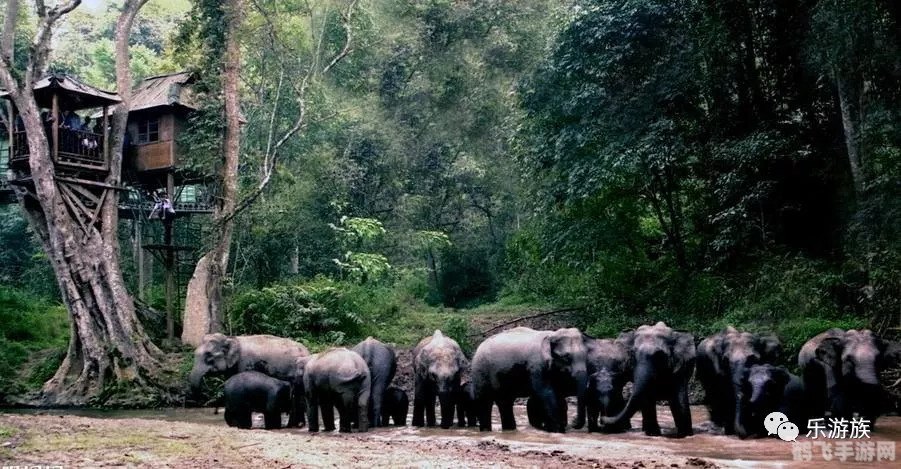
<point x="271" y="158"/>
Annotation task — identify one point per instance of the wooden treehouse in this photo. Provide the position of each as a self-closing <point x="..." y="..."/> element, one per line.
<point x="157" y="198"/>
<point x="79" y="151"/>
<point x="162" y="197"/>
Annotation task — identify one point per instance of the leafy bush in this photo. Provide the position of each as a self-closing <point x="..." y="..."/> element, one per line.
<point x="318" y="311"/>
<point x="32" y="340"/>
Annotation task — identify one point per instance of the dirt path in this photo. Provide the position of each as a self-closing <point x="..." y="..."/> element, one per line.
<point x="199" y="438"/>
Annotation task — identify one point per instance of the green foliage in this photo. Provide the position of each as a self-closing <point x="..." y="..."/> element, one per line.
<point x="458" y="329"/>
<point x="317" y="312"/>
<point x="32" y="341"/>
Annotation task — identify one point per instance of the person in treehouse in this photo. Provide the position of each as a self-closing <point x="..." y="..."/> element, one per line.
<point x="88" y="141"/>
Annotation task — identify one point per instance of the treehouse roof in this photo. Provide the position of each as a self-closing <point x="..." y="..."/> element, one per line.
<point x="73" y="94"/>
<point x="163" y="91"/>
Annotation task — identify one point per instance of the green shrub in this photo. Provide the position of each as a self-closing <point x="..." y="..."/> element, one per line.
<point x="33" y="338"/>
<point x="318" y="311"/>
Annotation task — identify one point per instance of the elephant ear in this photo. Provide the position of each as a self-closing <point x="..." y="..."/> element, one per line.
<point x="683" y="356"/>
<point x="462" y="362"/>
<point x="718" y="344"/>
<point x="546" y="356"/>
<point x="769" y="348"/>
<point x="829" y="351"/>
<point x="232" y="349"/>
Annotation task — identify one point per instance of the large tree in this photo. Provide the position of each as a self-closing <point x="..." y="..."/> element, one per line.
<point x="108" y="348"/>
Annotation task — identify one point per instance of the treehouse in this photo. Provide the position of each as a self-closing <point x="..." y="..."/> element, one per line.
<point x="160" y="108"/>
<point x="78" y="150"/>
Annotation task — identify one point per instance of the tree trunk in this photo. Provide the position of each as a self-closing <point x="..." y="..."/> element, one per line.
<point x="849" y="102"/>
<point x="208" y="308"/>
<point x="108" y="345"/>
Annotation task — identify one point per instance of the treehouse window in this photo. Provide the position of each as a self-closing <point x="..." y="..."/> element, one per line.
<point x="149" y="131"/>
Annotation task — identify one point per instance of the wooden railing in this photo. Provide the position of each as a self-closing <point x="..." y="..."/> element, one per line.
<point x="76" y="148"/>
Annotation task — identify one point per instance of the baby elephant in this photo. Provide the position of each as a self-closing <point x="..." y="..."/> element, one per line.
<point x="252" y="391"/>
<point x="773" y="389"/>
<point x="337" y="378"/>
<point x="395" y="405"/>
<point x="467" y="412"/>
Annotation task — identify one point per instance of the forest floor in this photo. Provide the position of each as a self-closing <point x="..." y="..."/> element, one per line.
<point x="200" y="438"/>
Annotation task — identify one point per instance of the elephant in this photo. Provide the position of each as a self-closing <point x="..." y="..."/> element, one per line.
<point x="609" y="369"/>
<point x="382" y="363"/>
<point x="466" y="406"/>
<point x="841" y="370"/>
<point x="523" y="362"/>
<point x="664" y="361"/>
<point x="229" y="355"/>
<point x="252" y="391"/>
<point x="336" y="378"/>
<point x="773" y="389"/>
<point x="723" y="361"/>
<point x="395" y="405"/>
<point x="438" y="362"/>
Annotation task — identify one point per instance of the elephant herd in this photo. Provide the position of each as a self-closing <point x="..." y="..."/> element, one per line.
<point x="738" y="371"/>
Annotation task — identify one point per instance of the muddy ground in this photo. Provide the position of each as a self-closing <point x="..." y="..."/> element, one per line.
<point x="200" y="438"/>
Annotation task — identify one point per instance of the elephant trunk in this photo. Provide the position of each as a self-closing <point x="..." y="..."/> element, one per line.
<point x="581" y="388"/>
<point x="196" y="376"/>
<point x="447" y="401"/>
<point x="738" y="377"/>
<point x="866" y="373"/>
<point x="641" y="390"/>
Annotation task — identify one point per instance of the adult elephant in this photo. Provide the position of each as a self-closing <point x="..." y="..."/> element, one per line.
<point x="723" y="362"/>
<point x="438" y="362"/>
<point x="664" y="361"/>
<point x="523" y="362"/>
<point x="841" y="372"/>
<point x="382" y="362"/>
<point x="230" y="355"/>
<point x="773" y="389"/>
<point x="336" y="378"/>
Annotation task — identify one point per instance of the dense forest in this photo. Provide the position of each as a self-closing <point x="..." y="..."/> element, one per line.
<point x="406" y="165"/>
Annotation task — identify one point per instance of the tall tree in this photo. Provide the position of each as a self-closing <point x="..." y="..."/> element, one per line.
<point x="108" y="345"/>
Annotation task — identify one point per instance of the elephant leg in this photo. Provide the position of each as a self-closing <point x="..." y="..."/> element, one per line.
<point x="681" y="410"/>
<point x="376" y="401"/>
<point x="505" y="407"/>
<point x="535" y="412"/>
<point x="297" y="417"/>
<point x="484" y="405"/>
<point x="649" y="418"/>
<point x="430" y="409"/>
<point x="593" y="410"/>
<point x="312" y="412"/>
<point x="346" y="411"/>
<point x="272" y="420"/>
<point x="362" y="410"/>
<point x="419" y="405"/>
<point x="562" y="410"/>
<point x="617" y="404"/>
<point x="327" y="407"/>
<point x="460" y="408"/>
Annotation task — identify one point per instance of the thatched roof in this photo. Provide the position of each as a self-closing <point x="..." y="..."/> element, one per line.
<point x="73" y="94"/>
<point x="164" y="90"/>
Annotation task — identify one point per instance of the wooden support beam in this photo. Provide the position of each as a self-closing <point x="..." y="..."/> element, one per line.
<point x="55" y="133"/>
<point x="87" y="182"/>
<point x="106" y="154"/>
